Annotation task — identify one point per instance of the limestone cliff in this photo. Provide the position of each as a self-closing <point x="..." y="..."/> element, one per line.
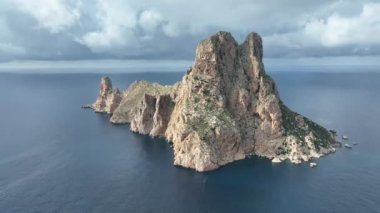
<point x="134" y="95"/>
<point x="153" y="115"/>
<point x="225" y="108"/>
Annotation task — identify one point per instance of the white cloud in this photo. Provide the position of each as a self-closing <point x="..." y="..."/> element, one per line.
<point x="54" y="15"/>
<point x="149" y="20"/>
<point x="119" y="28"/>
<point x="363" y="29"/>
<point x="334" y="31"/>
<point x="144" y="29"/>
<point x="171" y="30"/>
<point x="117" y="21"/>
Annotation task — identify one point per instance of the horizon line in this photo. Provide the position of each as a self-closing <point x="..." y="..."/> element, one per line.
<point x="139" y="66"/>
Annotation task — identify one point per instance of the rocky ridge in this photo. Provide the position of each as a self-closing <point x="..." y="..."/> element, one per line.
<point x="225" y="108"/>
<point x="133" y="96"/>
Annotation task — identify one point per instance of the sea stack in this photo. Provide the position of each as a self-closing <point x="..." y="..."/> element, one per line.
<point x="225" y="108"/>
<point x="108" y="99"/>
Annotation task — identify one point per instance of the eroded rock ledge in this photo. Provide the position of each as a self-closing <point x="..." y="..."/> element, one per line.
<point x="225" y="108"/>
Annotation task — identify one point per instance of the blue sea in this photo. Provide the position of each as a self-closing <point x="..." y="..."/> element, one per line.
<point x="57" y="157"/>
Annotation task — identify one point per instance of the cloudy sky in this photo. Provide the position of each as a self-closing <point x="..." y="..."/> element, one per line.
<point x="168" y="30"/>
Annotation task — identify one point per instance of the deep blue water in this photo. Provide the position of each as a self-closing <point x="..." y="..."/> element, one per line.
<point x="57" y="157"/>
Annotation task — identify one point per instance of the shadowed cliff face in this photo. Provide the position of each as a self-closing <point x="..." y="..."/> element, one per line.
<point x="153" y="115"/>
<point x="225" y="108"/>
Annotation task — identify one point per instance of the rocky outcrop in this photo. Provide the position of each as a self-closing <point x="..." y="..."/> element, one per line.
<point x="134" y="95"/>
<point x="225" y="108"/>
<point x="108" y="99"/>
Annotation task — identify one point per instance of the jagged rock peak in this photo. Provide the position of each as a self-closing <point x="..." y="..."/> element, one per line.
<point x="108" y="99"/>
<point x="254" y="44"/>
<point x="221" y="56"/>
<point x="105" y="85"/>
<point x="222" y="42"/>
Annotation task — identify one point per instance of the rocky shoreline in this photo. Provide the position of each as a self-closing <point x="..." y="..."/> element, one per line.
<point x="226" y="108"/>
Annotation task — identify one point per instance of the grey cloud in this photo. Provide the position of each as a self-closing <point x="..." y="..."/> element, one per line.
<point x="135" y="29"/>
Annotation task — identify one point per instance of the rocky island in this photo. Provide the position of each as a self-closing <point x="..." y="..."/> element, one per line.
<point x="225" y="108"/>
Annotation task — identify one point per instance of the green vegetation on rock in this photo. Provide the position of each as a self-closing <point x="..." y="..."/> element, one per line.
<point x="134" y="95"/>
<point x="322" y="136"/>
<point x="290" y="123"/>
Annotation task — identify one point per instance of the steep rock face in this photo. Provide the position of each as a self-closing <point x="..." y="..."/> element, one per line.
<point x="142" y="121"/>
<point x="108" y="99"/>
<point x="225" y="108"/>
<point x="153" y="115"/>
<point x="228" y="108"/>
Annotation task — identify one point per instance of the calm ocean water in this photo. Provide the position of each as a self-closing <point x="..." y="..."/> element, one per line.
<point x="56" y="157"/>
